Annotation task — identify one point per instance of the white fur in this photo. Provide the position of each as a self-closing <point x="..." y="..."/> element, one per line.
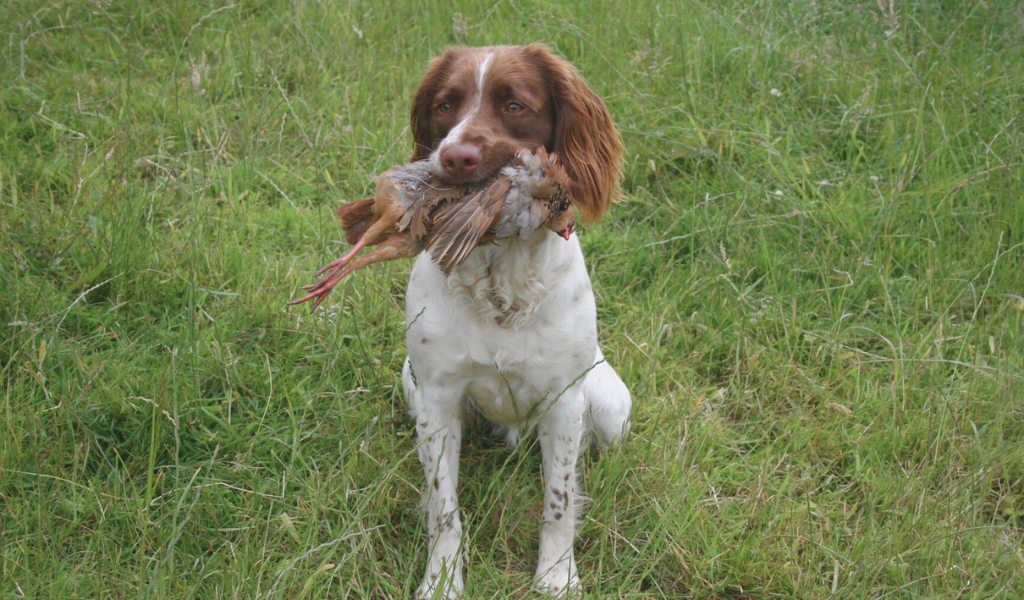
<point x="513" y="333"/>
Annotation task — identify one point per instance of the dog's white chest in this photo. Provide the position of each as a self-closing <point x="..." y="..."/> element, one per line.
<point x="509" y="368"/>
<point x="503" y="398"/>
<point x="503" y="373"/>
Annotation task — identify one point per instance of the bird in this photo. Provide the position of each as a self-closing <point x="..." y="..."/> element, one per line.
<point x="413" y="210"/>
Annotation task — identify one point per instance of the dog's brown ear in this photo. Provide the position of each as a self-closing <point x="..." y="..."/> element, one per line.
<point x="423" y="102"/>
<point x="587" y="143"/>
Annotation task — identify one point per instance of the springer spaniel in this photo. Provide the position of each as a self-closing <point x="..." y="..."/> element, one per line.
<point x="511" y="334"/>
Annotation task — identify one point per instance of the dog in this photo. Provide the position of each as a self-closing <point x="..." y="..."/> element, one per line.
<point x="511" y="334"/>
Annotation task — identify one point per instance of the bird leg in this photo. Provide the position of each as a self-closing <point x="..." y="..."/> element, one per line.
<point x="320" y="289"/>
<point x="341" y="262"/>
<point x="323" y="287"/>
<point x="391" y="249"/>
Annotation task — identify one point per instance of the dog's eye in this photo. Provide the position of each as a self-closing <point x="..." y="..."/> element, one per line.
<point x="514" y="107"/>
<point x="444" y="107"/>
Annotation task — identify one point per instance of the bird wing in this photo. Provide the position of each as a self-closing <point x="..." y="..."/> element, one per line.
<point x="413" y="192"/>
<point x="422" y="213"/>
<point x="460" y="226"/>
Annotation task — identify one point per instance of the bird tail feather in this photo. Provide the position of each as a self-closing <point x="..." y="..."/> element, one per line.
<point x="356" y="218"/>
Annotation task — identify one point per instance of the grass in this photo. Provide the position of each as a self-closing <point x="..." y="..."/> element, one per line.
<point x="814" y="290"/>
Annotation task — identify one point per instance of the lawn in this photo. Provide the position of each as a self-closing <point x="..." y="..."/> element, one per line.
<point x="814" y="288"/>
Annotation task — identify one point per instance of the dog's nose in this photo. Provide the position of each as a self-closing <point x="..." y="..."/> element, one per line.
<point x="461" y="160"/>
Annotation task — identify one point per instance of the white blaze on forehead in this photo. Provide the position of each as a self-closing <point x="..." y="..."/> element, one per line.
<point x="455" y="134"/>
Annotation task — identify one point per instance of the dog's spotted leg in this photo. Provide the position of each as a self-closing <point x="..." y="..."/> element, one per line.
<point x="559" y="430"/>
<point x="439" y="431"/>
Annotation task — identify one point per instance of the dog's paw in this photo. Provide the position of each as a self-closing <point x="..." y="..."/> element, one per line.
<point x="440" y="586"/>
<point x="559" y="585"/>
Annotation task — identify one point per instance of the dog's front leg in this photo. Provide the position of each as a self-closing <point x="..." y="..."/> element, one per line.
<point x="559" y="430"/>
<point x="439" y="428"/>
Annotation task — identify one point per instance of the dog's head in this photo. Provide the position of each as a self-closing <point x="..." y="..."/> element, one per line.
<point x="477" y="106"/>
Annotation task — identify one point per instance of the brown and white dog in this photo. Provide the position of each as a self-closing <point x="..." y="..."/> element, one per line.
<point x="511" y="334"/>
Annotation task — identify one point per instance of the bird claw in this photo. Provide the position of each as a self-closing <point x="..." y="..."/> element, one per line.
<point x="341" y="262"/>
<point x="320" y="289"/>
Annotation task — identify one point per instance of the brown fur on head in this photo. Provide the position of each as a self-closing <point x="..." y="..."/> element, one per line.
<point x="529" y="98"/>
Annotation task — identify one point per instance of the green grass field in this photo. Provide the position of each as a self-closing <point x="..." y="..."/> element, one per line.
<point x="814" y="289"/>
